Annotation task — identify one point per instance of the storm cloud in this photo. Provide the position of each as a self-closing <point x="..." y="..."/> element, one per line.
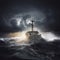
<point x="45" y="14"/>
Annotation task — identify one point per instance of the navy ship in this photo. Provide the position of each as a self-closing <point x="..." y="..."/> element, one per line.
<point x="34" y="36"/>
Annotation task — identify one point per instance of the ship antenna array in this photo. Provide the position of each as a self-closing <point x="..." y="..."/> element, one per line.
<point x="32" y="24"/>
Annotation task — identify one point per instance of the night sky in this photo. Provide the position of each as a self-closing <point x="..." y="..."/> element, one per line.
<point x="50" y="10"/>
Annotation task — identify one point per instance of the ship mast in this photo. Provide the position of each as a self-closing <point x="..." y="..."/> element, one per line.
<point x="32" y="25"/>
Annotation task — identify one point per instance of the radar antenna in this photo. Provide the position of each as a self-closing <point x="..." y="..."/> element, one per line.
<point x="32" y="25"/>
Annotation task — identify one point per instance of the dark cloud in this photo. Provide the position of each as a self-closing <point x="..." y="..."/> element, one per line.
<point x="52" y="22"/>
<point x="51" y="9"/>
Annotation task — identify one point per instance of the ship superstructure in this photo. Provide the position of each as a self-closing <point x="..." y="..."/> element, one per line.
<point x="34" y="36"/>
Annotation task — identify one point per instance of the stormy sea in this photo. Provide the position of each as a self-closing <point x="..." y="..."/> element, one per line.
<point x="29" y="30"/>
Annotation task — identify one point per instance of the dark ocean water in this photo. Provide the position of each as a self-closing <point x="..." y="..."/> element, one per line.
<point x="39" y="51"/>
